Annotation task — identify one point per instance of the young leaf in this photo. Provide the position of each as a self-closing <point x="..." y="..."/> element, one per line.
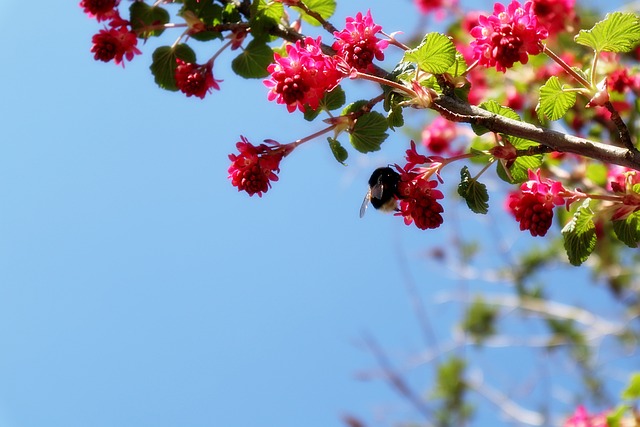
<point x="632" y="392"/>
<point x="434" y="55"/>
<point x="163" y="66"/>
<point x="143" y="16"/>
<point x="618" y="32"/>
<point x="395" y="118"/>
<point x="339" y="152"/>
<point x="265" y="17"/>
<point x="628" y="230"/>
<point x="580" y="235"/>
<point x="369" y="132"/>
<point x="554" y="100"/>
<point x="253" y="61"/>
<point x="473" y="192"/>
<point x="324" y="8"/>
<point x="495" y="108"/>
<point x="518" y="171"/>
<point x="330" y="101"/>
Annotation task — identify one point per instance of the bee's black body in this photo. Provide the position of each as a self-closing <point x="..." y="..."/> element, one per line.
<point x="383" y="190"/>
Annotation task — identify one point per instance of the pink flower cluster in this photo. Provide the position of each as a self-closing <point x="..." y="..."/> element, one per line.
<point x="438" y="135"/>
<point x="116" y="42"/>
<point x="358" y="45"/>
<point x="439" y="7"/>
<point x="581" y="418"/>
<point x="533" y="205"/>
<point x="555" y="15"/>
<point x="300" y="79"/>
<point x="508" y="36"/>
<point x="195" y="80"/>
<point x="254" y="167"/>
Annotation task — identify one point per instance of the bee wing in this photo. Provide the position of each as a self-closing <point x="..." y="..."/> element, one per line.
<point x="376" y="191"/>
<point x="365" y="203"/>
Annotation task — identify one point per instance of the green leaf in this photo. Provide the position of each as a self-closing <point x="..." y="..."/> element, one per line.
<point x="473" y="192"/>
<point x="324" y="8"/>
<point x="618" y="32"/>
<point x="580" y="235"/>
<point x="614" y="417"/>
<point x="495" y="108"/>
<point x="519" y="170"/>
<point x="459" y="65"/>
<point x="252" y="63"/>
<point x="330" y="101"/>
<point x="142" y="16"/>
<point x="395" y="118"/>
<point x="163" y="66"/>
<point x="264" y="17"/>
<point x="554" y="101"/>
<point x="369" y="132"/>
<point x="632" y="392"/>
<point x="209" y="13"/>
<point x="479" y="321"/>
<point x="434" y="55"/>
<point x="628" y="230"/>
<point x="339" y="152"/>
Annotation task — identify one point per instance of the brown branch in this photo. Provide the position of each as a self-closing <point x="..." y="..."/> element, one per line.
<point x="625" y="136"/>
<point x="458" y="111"/>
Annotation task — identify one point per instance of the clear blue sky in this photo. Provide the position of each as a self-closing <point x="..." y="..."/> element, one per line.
<point x="138" y="288"/>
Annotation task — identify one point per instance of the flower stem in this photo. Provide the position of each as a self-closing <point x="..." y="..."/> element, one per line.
<point x="383" y="81"/>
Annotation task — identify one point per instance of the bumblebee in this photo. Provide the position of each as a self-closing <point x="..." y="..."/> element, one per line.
<point x="383" y="190"/>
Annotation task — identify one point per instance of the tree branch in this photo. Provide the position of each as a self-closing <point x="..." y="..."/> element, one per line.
<point x="458" y="111"/>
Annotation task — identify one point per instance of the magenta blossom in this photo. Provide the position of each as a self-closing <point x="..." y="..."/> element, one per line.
<point x="300" y="79"/>
<point x="358" y="44"/>
<point x="508" y="36"/>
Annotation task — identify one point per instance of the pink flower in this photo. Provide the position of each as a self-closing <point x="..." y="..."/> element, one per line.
<point x="300" y="79"/>
<point x="195" y="80"/>
<point x="254" y="167"/>
<point x="555" y="15"/>
<point x="533" y="205"/>
<point x="102" y="10"/>
<point x="508" y="36"/>
<point x="419" y="199"/>
<point x="439" y="7"/>
<point x="438" y="135"/>
<point x="358" y="44"/>
<point x="115" y="43"/>
<point x="620" y="81"/>
<point x="581" y="418"/>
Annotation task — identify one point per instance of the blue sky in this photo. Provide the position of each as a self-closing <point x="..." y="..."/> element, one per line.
<point x="138" y="288"/>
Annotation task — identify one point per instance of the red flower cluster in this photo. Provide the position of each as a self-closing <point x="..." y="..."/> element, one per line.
<point x="620" y="81"/>
<point x="508" y="36"/>
<point x="116" y="42"/>
<point x="300" y="79"/>
<point x="254" y="167"/>
<point x="533" y="205"/>
<point x="555" y="15"/>
<point x="439" y="7"/>
<point x="102" y="10"/>
<point x="195" y="80"/>
<point x="417" y="194"/>
<point x="438" y="135"/>
<point x="358" y="44"/>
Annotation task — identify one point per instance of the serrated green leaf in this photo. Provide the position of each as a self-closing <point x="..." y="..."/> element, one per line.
<point x="339" y="152"/>
<point x="580" y="235"/>
<point x="369" y="132"/>
<point x="264" y="17"/>
<point x="495" y="108"/>
<point x="554" y="101"/>
<point x="519" y="170"/>
<point x="324" y="8"/>
<point x="628" y="230"/>
<point x="632" y="392"/>
<point x="434" y="55"/>
<point x="330" y="101"/>
<point x="459" y="65"/>
<point x="253" y="61"/>
<point x="209" y="13"/>
<point x="353" y="107"/>
<point x="395" y="118"/>
<point x="618" y="32"/>
<point x="142" y="16"/>
<point x="163" y="66"/>
<point x="473" y="192"/>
